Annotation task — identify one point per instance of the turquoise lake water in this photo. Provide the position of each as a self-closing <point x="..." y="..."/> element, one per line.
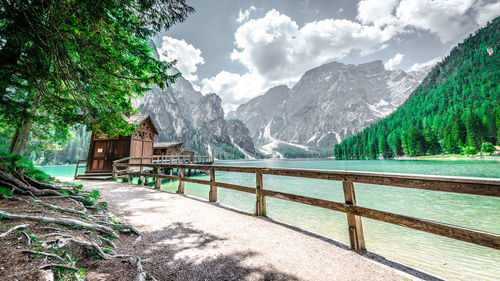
<point x="442" y="257"/>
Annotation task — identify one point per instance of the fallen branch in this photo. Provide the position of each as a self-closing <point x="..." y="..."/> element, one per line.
<point x="44" y="254"/>
<point x="63" y="221"/>
<point x="19" y="227"/>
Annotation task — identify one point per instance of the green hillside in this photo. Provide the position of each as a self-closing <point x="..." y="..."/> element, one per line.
<point x="454" y="110"/>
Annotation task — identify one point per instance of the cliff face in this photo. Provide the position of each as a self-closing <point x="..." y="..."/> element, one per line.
<point x="184" y="114"/>
<point x="328" y="104"/>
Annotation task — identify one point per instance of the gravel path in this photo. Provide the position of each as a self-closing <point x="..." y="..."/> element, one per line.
<point x="189" y="239"/>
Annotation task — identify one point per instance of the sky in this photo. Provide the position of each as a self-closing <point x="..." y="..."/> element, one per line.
<point x="239" y="49"/>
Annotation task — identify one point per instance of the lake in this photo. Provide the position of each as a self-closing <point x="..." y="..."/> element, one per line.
<point x="442" y="257"/>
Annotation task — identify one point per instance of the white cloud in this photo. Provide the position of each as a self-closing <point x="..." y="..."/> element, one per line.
<point x="244" y="15"/>
<point x="445" y="18"/>
<point x="392" y="62"/>
<point x="377" y="12"/>
<point x="276" y="50"/>
<point x="421" y="66"/>
<point x="188" y="57"/>
<point x="275" y="47"/>
<point x="487" y="12"/>
<point x="234" y="88"/>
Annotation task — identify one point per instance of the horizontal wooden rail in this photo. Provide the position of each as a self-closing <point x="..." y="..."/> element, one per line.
<point x="465" y="185"/>
<point x="480" y="237"/>
<point x="475" y="186"/>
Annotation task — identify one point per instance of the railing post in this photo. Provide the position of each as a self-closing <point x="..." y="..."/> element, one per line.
<point x="212" y="196"/>
<point x="158" y="179"/>
<point x="76" y="169"/>
<point x="260" y="206"/>
<point x="115" y="171"/>
<point x="180" y="189"/>
<point x="355" y="226"/>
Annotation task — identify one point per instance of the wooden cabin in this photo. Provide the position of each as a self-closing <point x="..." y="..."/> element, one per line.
<point x="104" y="150"/>
<point x="167" y="148"/>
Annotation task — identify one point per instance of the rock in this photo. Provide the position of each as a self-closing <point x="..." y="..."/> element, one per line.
<point x="328" y="104"/>
<point x="45" y="275"/>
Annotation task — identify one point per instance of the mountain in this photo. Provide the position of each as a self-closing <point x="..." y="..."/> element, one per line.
<point x="184" y="114"/>
<point x="328" y="104"/>
<point x="455" y="109"/>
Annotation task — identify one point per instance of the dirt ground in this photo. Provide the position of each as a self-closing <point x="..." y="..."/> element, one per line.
<point x="16" y="264"/>
<point x="190" y="239"/>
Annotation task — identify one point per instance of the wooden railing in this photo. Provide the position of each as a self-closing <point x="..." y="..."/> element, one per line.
<point x="78" y="166"/>
<point x="474" y="186"/>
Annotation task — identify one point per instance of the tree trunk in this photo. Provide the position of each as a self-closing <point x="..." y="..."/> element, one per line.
<point x="20" y="138"/>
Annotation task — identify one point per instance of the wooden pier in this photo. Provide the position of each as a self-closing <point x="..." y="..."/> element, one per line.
<point x="133" y="167"/>
<point x="464" y="185"/>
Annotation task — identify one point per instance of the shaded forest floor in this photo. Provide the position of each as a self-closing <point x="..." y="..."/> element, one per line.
<point x="65" y="237"/>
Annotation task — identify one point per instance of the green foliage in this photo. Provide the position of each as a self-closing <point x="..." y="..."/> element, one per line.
<point x="456" y="106"/>
<point x="63" y="191"/>
<point x="5" y="191"/>
<point x="88" y="202"/>
<point x="95" y="194"/>
<point x="79" y="62"/>
<point x="470" y="150"/>
<point x="488" y="147"/>
<point x="13" y="163"/>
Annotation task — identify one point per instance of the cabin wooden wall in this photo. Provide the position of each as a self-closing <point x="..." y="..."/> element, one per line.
<point x="173" y="150"/>
<point x="141" y="144"/>
<point x="103" y="151"/>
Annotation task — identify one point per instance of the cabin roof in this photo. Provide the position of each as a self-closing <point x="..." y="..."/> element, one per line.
<point x="166" y="144"/>
<point x="137" y="119"/>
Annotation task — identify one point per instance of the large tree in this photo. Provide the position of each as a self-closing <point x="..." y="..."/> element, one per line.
<point x="65" y="62"/>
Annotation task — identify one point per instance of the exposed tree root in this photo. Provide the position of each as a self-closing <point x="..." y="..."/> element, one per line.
<point x="44" y="254"/>
<point x="19" y="227"/>
<point x="62" y="209"/>
<point x="81" y="222"/>
<point x="59" y="266"/>
<point x="98" y="249"/>
<point x="110" y="243"/>
<point x="124" y="227"/>
<point x="63" y="221"/>
<point x="5" y="177"/>
<point x="28" y="238"/>
<point x="136" y="261"/>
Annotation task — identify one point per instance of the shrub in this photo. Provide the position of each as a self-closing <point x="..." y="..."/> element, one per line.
<point x="5" y="191"/>
<point x="488" y="147"/>
<point x="470" y="150"/>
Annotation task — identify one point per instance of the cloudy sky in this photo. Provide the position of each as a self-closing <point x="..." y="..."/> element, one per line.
<point x="239" y="49"/>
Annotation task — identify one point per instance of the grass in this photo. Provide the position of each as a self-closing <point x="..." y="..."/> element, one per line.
<point x="5" y="191"/>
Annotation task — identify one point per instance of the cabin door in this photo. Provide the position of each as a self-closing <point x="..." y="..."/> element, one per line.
<point x="102" y="160"/>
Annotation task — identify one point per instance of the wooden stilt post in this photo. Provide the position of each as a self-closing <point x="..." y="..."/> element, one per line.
<point x="355" y="226"/>
<point x="180" y="189"/>
<point x="212" y="196"/>
<point x="260" y="206"/>
<point x="158" y="179"/>
<point x="141" y="178"/>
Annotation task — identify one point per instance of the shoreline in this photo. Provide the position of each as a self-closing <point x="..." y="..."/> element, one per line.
<point x="452" y="157"/>
<point x="401" y="158"/>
